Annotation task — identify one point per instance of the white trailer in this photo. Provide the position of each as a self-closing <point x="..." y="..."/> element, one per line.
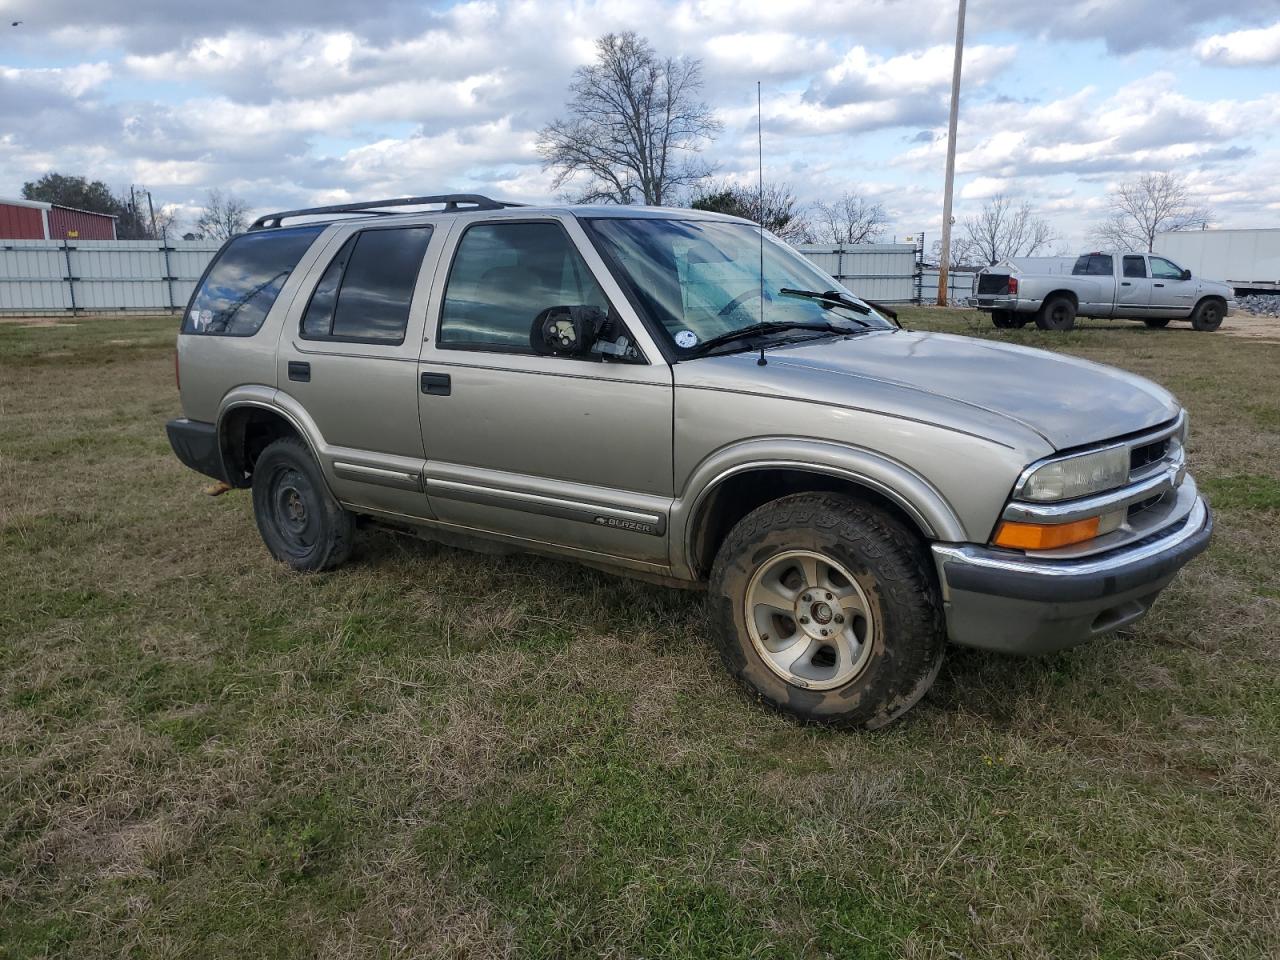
<point x="1248" y="260"/>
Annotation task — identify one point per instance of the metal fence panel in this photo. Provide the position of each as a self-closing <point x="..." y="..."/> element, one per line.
<point x="44" y="276"/>
<point x="883" y="272"/>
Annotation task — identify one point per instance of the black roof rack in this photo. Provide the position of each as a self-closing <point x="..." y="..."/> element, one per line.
<point x="474" y="201"/>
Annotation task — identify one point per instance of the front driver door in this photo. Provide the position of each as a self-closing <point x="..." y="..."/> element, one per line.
<point x="1171" y="296"/>
<point x="570" y="451"/>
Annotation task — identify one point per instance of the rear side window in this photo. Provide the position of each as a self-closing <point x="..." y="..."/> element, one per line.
<point x="364" y="294"/>
<point x="238" y="290"/>
<point x="1093" y="265"/>
<point x="1135" y="267"/>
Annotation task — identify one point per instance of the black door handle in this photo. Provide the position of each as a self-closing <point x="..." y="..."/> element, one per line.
<point x="300" y="371"/>
<point x="1157" y="284"/>
<point x="437" y="384"/>
<point x="1125" y="283"/>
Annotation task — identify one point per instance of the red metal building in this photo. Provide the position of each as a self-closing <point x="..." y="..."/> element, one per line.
<point x="35" y="220"/>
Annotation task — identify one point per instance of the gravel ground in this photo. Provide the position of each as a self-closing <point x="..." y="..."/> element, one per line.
<point x="1259" y="304"/>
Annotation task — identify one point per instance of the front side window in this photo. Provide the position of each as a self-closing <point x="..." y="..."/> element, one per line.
<point x="506" y="275"/>
<point x="1164" y="269"/>
<point x="1135" y="267"/>
<point x="701" y="279"/>
<point x="364" y="294"/>
<point x="240" y="287"/>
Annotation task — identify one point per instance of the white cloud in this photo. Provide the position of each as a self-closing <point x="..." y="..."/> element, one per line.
<point x="1242" y="47"/>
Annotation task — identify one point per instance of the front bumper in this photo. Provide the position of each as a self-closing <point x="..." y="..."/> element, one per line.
<point x="998" y="600"/>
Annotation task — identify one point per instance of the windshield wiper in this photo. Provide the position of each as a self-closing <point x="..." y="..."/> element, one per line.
<point x="829" y="296"/>
<point x="759" y="329"/>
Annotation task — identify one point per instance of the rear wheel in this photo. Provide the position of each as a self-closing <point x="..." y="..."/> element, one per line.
<point x="828" y="610"/>
<point x="301" y="524"/>
<point x="1002" y="318"/>
<point x="1058" y="313"/>
<point x="1155" y="322"/>
<point x="1208" y="315"/>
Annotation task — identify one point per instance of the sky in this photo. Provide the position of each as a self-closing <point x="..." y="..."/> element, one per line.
<point x="303" y="102"/>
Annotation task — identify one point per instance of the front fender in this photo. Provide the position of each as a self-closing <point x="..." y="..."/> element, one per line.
<point x="917" y="497"/>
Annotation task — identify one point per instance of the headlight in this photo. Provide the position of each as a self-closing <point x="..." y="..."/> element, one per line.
<point x="1078" y="476"/>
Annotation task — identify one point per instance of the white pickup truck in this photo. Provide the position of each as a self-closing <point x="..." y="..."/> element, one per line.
<point x="1124" y="286"/>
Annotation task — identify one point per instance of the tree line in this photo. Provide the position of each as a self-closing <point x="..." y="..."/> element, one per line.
<point x="138" y="217"/>
<point x="632" y="131"/>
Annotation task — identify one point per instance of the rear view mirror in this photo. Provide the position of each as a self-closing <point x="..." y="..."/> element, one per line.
<point x="1186" y="274"/>
<point x="566" y="331"/>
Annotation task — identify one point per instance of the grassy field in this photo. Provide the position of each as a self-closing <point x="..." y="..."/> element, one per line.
<point x="203" y="755"/>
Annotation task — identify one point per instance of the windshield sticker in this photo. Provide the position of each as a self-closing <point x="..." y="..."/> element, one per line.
<point x="686" y="339"/>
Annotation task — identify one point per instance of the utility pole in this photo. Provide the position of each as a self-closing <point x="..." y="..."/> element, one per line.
<point x="152" y="210"/>
<point x="944" y="258"/>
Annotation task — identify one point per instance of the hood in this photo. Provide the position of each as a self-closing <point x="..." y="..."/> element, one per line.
<point x="1066" y="401"/>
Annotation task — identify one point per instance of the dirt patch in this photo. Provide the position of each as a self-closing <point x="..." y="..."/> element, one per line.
<point x="1252" y="328"/>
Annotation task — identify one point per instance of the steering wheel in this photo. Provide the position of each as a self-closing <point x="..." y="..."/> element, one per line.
<point x="737" y="302"/>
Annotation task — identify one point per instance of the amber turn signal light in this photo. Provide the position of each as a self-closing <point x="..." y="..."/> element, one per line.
<point x="1045" y="536"/>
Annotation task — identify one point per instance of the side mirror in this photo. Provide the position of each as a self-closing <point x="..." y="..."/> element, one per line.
<point x="1186" y="274"/>
<point x="566" y="331"/>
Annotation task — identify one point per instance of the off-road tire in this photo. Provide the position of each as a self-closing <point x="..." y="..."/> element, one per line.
<point x="891" y="566"/>
<point x="1156" y="322"/>
<point x="1057" y="313"/>
<point x="1208" y="315"/>
<point x="300" y="522"/>
<point x="1002" y="318"/>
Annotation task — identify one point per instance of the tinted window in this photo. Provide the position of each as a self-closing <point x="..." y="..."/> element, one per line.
<point x="504" y="275"/>
<point x="365" y="292"/>
<point x="1094" y="265"/>
<point x="1135" y="267"/>
<point x="237" y="293"/>
<point x="1165" y="269"/>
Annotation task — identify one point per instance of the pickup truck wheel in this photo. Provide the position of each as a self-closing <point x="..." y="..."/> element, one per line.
<point x="1017" y="320"/>
<point x="1002" y="319"/>
<point x="1057" y="314"/>
<point x="1155" y="322"/>
<point x="828" y="610"/>
<point x="1208" y="316"/>
<point x="301" y="524"/>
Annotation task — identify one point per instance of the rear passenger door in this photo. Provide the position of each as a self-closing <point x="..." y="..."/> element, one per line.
<point x="571" y="451"/>
<point x="348" y="364"/>
<point x="1133" y="295"/>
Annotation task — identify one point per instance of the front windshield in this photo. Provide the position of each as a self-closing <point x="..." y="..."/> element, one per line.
<point x="700" y="279"/>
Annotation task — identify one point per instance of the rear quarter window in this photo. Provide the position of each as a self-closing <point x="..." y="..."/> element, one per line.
<point x="239" y="288"/>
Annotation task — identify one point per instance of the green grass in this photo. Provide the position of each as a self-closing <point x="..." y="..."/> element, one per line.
<point x="202" y="755"/>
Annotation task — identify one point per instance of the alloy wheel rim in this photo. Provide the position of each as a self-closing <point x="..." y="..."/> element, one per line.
<point x="809" y="620"/>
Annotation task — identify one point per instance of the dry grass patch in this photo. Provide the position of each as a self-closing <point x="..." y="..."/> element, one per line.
<point x="202" y="754"/>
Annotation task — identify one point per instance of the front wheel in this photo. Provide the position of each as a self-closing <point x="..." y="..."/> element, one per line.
<point x="828" y="610"/>
<point x="300" y="522"/>
<point x="1208" y="316"/>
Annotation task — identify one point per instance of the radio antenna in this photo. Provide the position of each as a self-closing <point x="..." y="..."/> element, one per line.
<point x="760" y="201"/>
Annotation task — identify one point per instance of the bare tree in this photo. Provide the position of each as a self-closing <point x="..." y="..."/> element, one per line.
<point x="780" y="212"/>
<point x="1002" y="230"/>
<point x="634" y="125"/>
<point x="223" y="216"/>
<point x="850" y="219"/>
<point x="1153" y="203"/>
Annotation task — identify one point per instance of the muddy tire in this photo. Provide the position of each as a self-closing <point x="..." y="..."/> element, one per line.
<point x="1058" y="313"/>
<point x="1208" y="315"/>
<point x="300" y="522"/>
<point x="828" y="610"/>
